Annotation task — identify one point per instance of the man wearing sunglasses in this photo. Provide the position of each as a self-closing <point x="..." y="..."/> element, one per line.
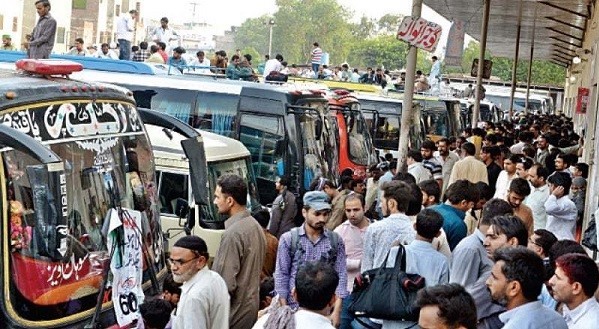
<point x="204" y="301"/>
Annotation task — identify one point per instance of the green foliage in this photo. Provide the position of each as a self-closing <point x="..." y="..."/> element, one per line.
<point x="253" y="33"/>
<point x="303" y="22"/>
<point x="383" y="50"/>
<point x="257" y="58"/>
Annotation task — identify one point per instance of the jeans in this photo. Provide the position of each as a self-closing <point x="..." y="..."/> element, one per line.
<point x="315" y="67"/>
<point x="124" y="49"/>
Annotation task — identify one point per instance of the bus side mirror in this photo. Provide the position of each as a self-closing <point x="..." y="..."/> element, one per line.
<point x="181" y="208"/>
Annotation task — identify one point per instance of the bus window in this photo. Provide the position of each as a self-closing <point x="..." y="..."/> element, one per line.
<point x="171" y="186"/>
<point x="261" y="135"/>
<point x="215" y="113"/>
<point x="360" y="146"/>
<point x="241" y="167"/>
<point x="436" y="123"/>
<point x="387" y="132"/>
<point x="175" y="102"/>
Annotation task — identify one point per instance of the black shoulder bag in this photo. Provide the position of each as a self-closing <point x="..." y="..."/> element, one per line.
<point x="387" y="293"/>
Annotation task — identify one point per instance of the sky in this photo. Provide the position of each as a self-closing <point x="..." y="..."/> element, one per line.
<point x="226" y="13"/>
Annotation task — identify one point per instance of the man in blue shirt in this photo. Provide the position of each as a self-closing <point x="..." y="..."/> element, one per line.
<point x="461" y="196"/>
<point x="177" y="60"/>
<point x="516" y="281"/>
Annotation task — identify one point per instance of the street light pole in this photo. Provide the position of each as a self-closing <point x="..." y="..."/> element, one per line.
<point x="271" y="23"/>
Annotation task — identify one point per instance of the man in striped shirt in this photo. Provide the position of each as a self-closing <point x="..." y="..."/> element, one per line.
<point x="430" y="162"/>
<point x="316" y="57"/>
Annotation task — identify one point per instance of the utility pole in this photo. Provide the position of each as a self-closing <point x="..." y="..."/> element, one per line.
<point x="193" y="11"/>
<point x="271" y="23"/>
<point x="481" y="63"/>
<point x="407" y="113"/>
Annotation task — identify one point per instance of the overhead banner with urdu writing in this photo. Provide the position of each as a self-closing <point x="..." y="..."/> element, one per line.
<point x="582" y="101"/>
<point x="455" y="44"/>
<point x="419" y="33"/>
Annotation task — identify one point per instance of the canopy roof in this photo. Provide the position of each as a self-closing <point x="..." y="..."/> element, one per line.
<point x="559" y="32"/>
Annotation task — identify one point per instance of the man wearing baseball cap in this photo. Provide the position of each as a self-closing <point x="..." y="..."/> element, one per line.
<point x="204" y="301"/>
<point x="308" y="243"/>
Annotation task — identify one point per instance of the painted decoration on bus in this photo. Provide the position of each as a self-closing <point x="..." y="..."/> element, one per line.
<point x="126" y="264"/>
<point x="420" y="33"/>
<point x="74" y="120"/>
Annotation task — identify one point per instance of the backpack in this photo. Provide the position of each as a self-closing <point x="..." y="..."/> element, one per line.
<point x="296" y="246"/>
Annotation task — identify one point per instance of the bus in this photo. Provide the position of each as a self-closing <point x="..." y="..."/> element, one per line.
<point x="223" y="155"/>
<point x="383" y="118"/>
<point x="98" y="171"/>
<point x="356" y="150"/>
<point x="488" y="112"/>
<point x="287" y="130"/>
<point x="441" y="116"/>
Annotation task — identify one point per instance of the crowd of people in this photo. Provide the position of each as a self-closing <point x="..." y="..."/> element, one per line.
<point x="491" y="221"/>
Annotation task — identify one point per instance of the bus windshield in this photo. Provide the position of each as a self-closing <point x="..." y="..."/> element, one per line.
<point x="360" y="144"/>
<point x="320" y="136"/>
<point x="57" y="249"/>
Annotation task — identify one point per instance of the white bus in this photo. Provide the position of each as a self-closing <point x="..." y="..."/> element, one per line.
<point x="223" y="156"/>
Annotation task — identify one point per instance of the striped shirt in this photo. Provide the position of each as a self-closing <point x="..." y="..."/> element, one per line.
<point x="316" y="55"/>
<point x="434" y="166"/>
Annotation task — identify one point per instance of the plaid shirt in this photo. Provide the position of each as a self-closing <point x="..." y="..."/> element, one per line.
<point x="141" y="55"/>
<point x="287" y="264"/>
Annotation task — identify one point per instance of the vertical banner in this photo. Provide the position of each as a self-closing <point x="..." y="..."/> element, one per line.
<point x="455" y="44"/>
<point x="126" y="264"/>
<point x="582" y="101"/>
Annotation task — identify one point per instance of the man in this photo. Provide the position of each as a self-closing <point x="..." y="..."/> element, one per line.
<point x="284" y="209"/>
<point x="177" y="59"/>
<point x="337" y="202"/>
<point x="504" y="231"/>
<point x="461" y="197"/>
<point x="540" y="243"/>
<point x="431" y="193"/>
<point x="468" y="91"/>
<point x="432" y="164"/>
<point x="308" y="243"/>
<point x="218" y="63"/>
<point x="415" y="167"/>
<point x="446" y="306"/>
<point x="447" y="159"/>
<point x="395" y="226"/>
<point x="421" y="257"/>
<point x="106" y="52"/>
<point x="469" y="260"/>
<point x="505" y="177"/>
<point x="352" y="232"/>
<point x="469" y="167"/>
<point x="561" y="211"/>
<point x="202" y="63"/>
<point x="316" y="57"/>
<point x="562" y="164"/>
<point x="204" y="300"/>
<point x="232" y="71"/>
<point x="164" y="33"/>
<point x="125" y="26"/>
<point x="489" y="155"/>
<point x="542" y="150"/>
<point x="315" y="287"/>
<point x="518" y="191"/>
<point x="485" y="193"/>
<point x="523" y="166"/>
<point x="78" y="49"/>
<point x="241" y="252"/>
<point x="574" y="284"/>
<point x="155" y="56"/>
<point x="516" y="281"/>
<point x="273" y="64"/>
<point x="7" y="43"/>
<point x="155" y="314"/>
<point x="435" y="76"/>
<point x="537" y="176"/>
<point x="142" y="54"/>
<point x="42" y="37"/>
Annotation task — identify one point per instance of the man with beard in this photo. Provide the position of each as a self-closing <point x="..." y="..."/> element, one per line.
<point x="537" y="176"/>
<point x="447" y="160"/>
<point x="503" y="231"/>
<point x="204" y="301"/>
<point x="518" y="191"/>
<point x="352" y="232"/>
<point x="516" y="281"/>
<point x="308" y="243"/>
<point x="241" y="252"/>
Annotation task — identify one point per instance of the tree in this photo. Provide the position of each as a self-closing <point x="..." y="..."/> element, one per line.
<point x="383" y="50"/>
<point x="365" y="29"/>
<point x="301" y="23"/>
<point x="389" y="23"/>
<point x="253" y="33"/>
